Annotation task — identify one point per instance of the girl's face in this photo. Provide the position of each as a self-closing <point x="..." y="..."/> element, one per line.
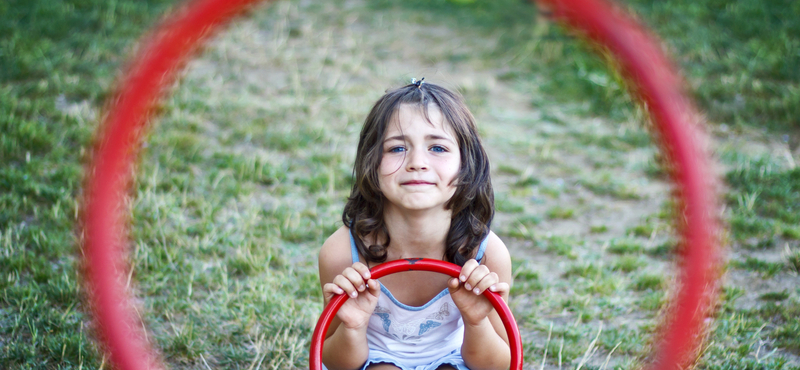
<point x="421" y="160"/>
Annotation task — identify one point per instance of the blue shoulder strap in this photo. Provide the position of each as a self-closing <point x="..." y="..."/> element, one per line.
<point x="353" y="249"/>
<point x="482" y="248"/>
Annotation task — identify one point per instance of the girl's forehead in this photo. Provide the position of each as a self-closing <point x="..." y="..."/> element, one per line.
<point x="408" y="116"/>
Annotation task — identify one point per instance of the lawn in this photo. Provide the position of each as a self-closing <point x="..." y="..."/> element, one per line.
<point x="246" y="168"/>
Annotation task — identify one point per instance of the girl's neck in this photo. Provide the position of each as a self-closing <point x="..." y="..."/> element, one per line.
<point x="421" y="234"/>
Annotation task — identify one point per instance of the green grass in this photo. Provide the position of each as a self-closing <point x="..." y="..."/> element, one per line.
<point x="738" y="57"/>
<point x="57" y="60"/>
<point x="765" y="199"/>
<point x="767" y="269"/>
<point x="559" y="212"/>
<point x="505" y="204"/>
<point x="606" y="185"/>
<point x="643" y="231"/>
<point x="625" y="246"/>
<point x="774" y="296"/>
<point x="526" y="279"/>
<point x="629" y="263"/>
<point x="527" y="182"/>
<point x="508" y="170"/>
<point x="664" y="249"/>
<point x="792" y="257"/>
<point x="743" y="334"/>
<point x="560" y="245"/>
<point x="648" y="282"/>
<point x="627" y="140"/>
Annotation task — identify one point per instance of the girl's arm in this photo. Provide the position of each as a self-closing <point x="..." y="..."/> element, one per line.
<point x="485" y="340"/>
<point x="345" y="344"/>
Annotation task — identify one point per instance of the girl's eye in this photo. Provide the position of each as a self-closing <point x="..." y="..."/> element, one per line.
<point x="397" y="149"/>
<point x="438" y="149"/>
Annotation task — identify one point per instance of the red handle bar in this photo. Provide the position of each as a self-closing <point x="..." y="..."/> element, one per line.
<point x="415" y="264"/>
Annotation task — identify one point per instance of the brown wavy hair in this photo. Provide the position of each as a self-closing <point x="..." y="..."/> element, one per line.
<point x="472" y="205"/>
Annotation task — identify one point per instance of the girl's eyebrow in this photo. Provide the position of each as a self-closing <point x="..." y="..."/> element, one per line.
<point x="427" y="137"/>
<point x="398" y="137"/>
<point x="439" y="137"/>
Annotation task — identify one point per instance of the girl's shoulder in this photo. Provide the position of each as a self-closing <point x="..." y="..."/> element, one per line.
<point x="496" y="255"/>
<point x="494" y="244"/>
<point x="339" y="237"/>
<point x="335" y="254"/>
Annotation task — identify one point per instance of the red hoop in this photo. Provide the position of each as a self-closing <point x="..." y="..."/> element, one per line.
<point x="153" y="70"/>
<point x="415" y="264"/>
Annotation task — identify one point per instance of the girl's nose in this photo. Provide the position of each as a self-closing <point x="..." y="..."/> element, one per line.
<point x="416" y="161"/>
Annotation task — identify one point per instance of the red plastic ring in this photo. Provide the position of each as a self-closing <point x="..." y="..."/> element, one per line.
<point x="415" y="264"/>
<point x="153" y="70"/>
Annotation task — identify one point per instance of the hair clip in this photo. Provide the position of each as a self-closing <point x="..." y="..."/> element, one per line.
<point x="417" y="83"/>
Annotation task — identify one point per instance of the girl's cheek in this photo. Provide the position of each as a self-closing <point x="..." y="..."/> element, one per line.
<point x="450" y="166"/>
<point x="390" y="164"/>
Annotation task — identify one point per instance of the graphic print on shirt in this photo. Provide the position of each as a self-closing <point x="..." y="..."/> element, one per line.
<point x="412" y="330"/>
<point x="383" y="313"/>
<point x="443" y="312"/>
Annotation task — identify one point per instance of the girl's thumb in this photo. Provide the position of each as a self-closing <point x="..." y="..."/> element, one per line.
<point x="453" y="285"/>
<point x="374" y="286"/>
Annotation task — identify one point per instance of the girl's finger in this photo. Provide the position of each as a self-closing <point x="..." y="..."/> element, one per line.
<point x="362" y="269"/>
<point x="332" y="289"/>
<point x="467" y="269"/>
<point x="478" y="274"/>
<point x="329" y="290"/>
<point x="488" y="280"/>
<point x="374" y="287"/>
<point x="500" y="288"/>
<point x="453" y="284"/>
<point x="346" y="285"/>
<point x="355" y="278"/>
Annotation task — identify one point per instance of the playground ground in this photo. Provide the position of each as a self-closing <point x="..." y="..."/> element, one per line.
<point x="244" y="173"/>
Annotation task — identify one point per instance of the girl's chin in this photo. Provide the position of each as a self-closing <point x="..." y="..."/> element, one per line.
<point x="419" y="201"/>
<point x="421" y="206"/>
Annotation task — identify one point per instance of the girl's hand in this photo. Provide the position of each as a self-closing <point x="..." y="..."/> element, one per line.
<point x="467" y="291"/>
<point x="363" y="292"/>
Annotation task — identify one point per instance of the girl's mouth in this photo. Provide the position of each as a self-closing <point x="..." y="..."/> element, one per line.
<point x="416" y="182"/>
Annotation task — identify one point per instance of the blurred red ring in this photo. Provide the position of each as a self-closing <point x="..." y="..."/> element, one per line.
<point x="153" y="70"/>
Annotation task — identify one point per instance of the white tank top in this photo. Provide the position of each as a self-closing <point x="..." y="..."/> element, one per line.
<point x="417" y="335"/>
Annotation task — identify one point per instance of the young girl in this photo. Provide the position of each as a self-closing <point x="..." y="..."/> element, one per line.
<point x="422" y="189"/>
